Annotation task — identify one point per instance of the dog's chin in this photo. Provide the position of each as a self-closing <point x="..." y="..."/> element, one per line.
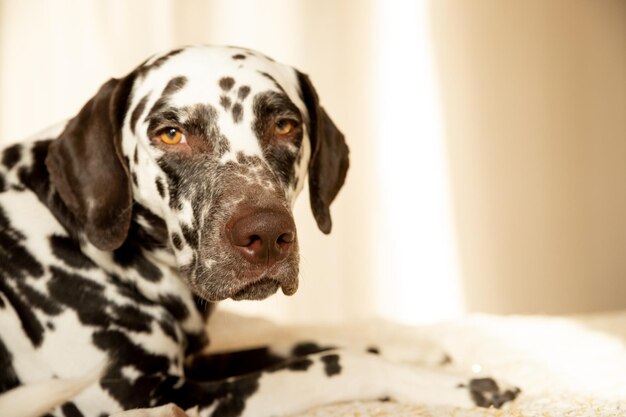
<point x="257" y="290"/>
<point x="249" y="285"/>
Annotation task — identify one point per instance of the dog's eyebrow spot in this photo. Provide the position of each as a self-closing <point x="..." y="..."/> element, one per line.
<point x="239" y="56"/>
<point x="226" y="83"/>
<point x="174" y="85"/>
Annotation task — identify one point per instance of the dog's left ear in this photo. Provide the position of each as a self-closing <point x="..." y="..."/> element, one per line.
<point x="88" y="170"/>
<point x="329" y="156"/>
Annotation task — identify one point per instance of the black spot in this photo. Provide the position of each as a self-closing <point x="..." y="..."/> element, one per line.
<point x="68" y="250"/>
<point x="237" y="113"/>
<point x="143" y="70"/>
<point x="446" y="360"/>
<point x="2" y="184"/>
<point x="160" y="187"/>
<point x="190" y="235"/>
<point x="37" y="178"/>
<point x="300" y="364"/>
<point x="141" y="106"/>
<point x="269" y="77"/>
<point x="174" y="85"/>
<point x="136" y="156"/>
<point x="134" y="176"/>
<point x="8" y="377"/>
<point x="195" y="342"/>
<point x="38" y="300"/>
<point x="152" y="233"/>
<point x="50" y="325"/>
<point x="175" y="306"/>
<point x="233" y="405"/>
<point x="177" y="241"/>
<point x="225" y="102"/>
<point x="12" y="155"/>
<point x="70" y="410"/>
<point x="128" y="290"/>
<point x="331" y="364"/>
<point x="239" y="56"/>
<point x="130" y="317"/>
<point x="308" y="348"/>
<point x="168" y="329"/>
<point x="123" y="352"/>
<point x="15" y="260"/>
<point x="244" y="90"/>
<point x="226" y="83"/>
<point x="130" y="254"/>
<point x="92" y="307"/>
<point x="30" y="324"/>
<point x="373" y="350"/>
<point x="222" y="365"/>
<point x="147" y="269"/>
<point x="81" y="294"/>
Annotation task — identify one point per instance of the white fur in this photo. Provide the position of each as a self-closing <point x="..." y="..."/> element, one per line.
<point x="48" y="394"/>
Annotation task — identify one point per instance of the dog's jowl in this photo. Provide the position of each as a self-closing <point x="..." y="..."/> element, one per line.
<point x="170" y="190"/>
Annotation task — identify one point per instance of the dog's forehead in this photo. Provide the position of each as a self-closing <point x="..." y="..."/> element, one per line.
<point x="212" y="72"/>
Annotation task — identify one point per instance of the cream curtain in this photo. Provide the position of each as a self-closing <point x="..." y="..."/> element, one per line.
<point x="487" y="138"/>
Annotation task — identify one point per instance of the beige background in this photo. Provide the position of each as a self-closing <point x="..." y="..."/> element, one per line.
<point x="488" y="138"/>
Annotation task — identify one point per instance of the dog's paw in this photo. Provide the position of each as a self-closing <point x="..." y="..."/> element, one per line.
<point x="485" y="392"/>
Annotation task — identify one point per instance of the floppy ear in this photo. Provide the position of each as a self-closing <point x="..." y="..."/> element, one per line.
<point x="87" y="168"/>
<point x="329" y="156"/>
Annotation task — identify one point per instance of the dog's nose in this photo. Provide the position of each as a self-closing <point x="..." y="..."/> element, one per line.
<point x="262" y="236"/>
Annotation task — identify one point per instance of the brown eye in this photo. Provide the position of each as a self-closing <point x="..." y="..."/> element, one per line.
<point x="284" y="127"/>
<point x="172" y="136"/>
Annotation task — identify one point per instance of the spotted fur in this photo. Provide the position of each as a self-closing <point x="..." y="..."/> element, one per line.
<point x="114" y="245"/>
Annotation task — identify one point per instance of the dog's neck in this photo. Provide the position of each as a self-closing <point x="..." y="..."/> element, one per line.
<point x="145" y="260"/>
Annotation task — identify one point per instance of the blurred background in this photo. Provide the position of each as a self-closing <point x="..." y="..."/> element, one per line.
<point x="488" y="138"/>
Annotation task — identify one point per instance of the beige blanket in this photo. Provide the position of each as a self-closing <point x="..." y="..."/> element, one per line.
<point x="565" y="366"/>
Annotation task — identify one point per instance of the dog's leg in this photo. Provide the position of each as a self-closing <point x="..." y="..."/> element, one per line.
<point x="324" y="378"/>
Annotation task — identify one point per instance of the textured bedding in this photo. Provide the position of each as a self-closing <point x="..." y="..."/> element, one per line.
<point x="566" y="366"/>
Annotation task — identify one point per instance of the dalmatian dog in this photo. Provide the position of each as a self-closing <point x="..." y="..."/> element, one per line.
<point x="169" y="191"/>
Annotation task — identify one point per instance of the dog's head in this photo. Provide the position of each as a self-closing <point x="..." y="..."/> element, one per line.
<point x="217" y="142"/>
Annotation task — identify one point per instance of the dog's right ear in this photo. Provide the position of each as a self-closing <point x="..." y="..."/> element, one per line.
<point x="329" y="156"/>
<point x="88" y="170"/>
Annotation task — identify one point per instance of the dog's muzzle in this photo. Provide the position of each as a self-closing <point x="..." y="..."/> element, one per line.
<point x="265" y="241"/>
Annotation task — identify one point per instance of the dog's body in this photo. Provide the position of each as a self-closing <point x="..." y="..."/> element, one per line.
<point x="170" y="190"/>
